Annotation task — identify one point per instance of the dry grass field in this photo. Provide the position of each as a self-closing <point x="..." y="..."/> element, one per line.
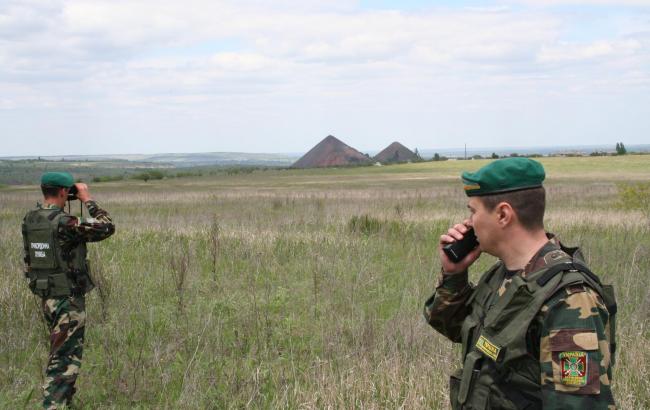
<point x="273" y="290"/>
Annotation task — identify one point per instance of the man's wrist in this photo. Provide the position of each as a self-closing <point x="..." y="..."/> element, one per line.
<point x="454" y="281"/>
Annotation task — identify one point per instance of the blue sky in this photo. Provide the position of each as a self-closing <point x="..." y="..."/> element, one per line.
<point x="148" y="76"/>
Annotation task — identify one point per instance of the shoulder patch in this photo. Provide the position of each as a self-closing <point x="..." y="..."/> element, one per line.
<point x="575" y="360"/>
<point x="573" y="368"/>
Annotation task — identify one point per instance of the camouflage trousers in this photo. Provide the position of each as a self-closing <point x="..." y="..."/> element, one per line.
<point x="66" y="320"/>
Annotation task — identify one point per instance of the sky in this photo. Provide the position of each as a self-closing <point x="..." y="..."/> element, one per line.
<point x="152" y="76"/>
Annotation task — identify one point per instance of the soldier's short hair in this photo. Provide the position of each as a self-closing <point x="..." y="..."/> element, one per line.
<point x="50" y="191"/>
<point x="528" y="204"/>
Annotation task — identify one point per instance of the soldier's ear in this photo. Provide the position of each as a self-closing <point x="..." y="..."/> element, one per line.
<point x="504" y="214"/>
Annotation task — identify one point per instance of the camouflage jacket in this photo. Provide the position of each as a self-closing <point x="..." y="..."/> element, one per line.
<point x="73" y="230"/>
<point x="569" y="332"/>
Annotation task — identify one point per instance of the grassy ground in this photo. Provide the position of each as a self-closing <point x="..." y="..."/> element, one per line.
<point x="258" y="290"/>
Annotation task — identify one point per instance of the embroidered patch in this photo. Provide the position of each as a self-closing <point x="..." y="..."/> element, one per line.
<point x="488" y="348"/>
<point x="573" y="368"/>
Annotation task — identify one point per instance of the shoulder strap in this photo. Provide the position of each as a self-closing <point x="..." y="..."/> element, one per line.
<point x="567" y="266"/>
<point x="54" y="214"/>
<point x="482" y="289"/>
<point x="605" y="291"/>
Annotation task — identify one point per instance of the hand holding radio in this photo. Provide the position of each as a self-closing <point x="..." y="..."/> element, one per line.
<point x="459" y="248"/>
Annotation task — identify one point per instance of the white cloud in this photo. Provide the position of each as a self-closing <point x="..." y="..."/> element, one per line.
<point x="618" y="3"/>
<point x="560" y="53"/>
<point x="204" y="58"/>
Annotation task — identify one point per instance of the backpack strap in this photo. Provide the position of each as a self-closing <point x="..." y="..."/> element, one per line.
<point x="54" y="214"/>
<point x="605" y="291"/>
<point x="567" y="266"/>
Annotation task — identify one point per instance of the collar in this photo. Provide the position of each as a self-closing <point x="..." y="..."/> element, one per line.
<point x="549" y="252"/>
<point x="47" y="206"/>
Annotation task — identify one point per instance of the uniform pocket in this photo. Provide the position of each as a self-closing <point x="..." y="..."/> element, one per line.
<point x="576" y="360"/>
<point x="60" y="285"/>
<point x="454" y="387"/>
<point x="39" y="287"/>
<point x="42" y="253"/>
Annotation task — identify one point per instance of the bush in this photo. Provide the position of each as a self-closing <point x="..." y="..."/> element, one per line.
<point x="635" y="196"/>
<point x="364" y="224"/>
<point x="108" y="178"/>
<point x="241" y="170"/>
<point x="186" y="174"/>
<point x="147" y="175"/>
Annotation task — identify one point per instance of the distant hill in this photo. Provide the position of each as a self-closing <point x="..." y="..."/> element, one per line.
<point x="395" y="152"/>
<point x="331" y="152"/>
<point x="223" y="159"/>
<point x="176" y="160"/>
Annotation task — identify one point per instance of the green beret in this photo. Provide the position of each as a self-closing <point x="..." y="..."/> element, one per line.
<point x="504" y="175"/>
<point x="60" y="179"/>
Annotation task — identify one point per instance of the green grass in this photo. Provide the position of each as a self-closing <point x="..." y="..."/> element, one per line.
<point x="299" y="288"/>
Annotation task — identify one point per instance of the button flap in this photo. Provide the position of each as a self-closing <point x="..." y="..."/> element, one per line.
<point x="563" y="340"/>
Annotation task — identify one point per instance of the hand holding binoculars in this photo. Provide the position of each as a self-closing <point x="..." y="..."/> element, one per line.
<point x="72" y="193"/>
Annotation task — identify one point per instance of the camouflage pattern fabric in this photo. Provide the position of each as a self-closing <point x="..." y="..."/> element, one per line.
<point x="66" y="319"/>
<point x="96" y="228"/>
<point x="574" y="356"/>
<point x="569" y="335"/>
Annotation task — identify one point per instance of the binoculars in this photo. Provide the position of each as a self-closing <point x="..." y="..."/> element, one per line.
<point x="72" y="193"/>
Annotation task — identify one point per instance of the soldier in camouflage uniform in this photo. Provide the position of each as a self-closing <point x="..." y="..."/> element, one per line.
<point x="537" y="330"/>
<point x="58" y="272"/>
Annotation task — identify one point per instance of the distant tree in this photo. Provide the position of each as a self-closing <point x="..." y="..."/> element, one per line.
<point x="436" y="157"/>
<point x="156" y="174"/>
<point x="417" y="155"/>
<point x="514" y="154"/>
<point x="477" y="156"/>
<point x="149" y="175"/>
<point x="620" y="149"/>
<point x="495" y="155"/>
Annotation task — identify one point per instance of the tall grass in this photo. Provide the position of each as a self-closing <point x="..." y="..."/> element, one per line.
<point x="293" y="289"/>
